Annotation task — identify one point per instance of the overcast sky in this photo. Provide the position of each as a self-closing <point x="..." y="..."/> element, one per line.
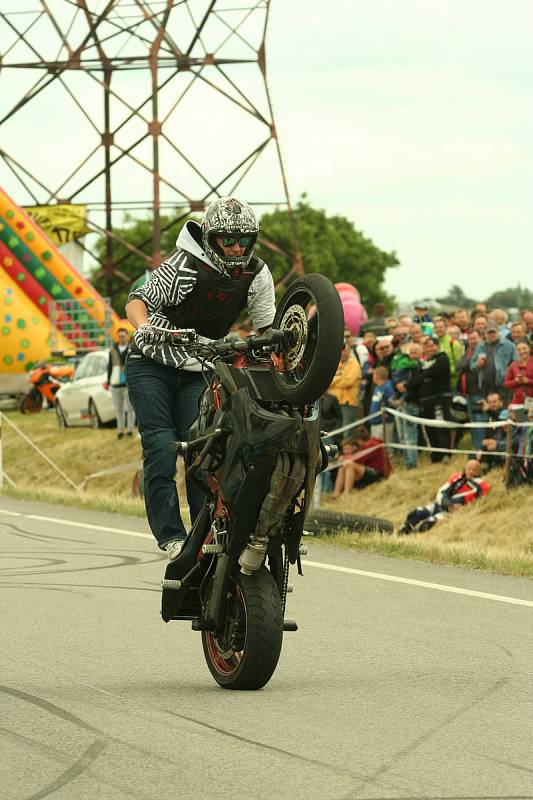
<point x="414" y="118"/>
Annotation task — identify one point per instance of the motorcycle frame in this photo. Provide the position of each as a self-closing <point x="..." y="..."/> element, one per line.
<point x="243" y="411"/>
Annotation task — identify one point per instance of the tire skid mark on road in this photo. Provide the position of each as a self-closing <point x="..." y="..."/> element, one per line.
<point x="123" y="561"/>
<point x="74" y="771"/>
<point x="51" y="708"/>
<point x="71" y="586"/>
<point x="424" y="737"/>
<point x="332" y="567"/>
<point x="68" y="588"/>
<point x="88" y="525"/>
<point x="520" y="767"/>
<point x="338" y="770"/>
<point x="48" y="562"/>
<point x="46" y="749"/>
<point x="21" y="533"/>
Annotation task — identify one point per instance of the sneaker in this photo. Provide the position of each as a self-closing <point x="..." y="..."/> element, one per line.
<point x="120" y="435"/>
<point x="174" y="548"/>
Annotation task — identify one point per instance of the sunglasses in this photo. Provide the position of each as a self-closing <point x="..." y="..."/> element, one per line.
<point x="244" y="241"/>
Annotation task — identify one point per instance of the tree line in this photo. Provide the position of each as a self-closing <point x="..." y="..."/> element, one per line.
<point x="330" y="245"/>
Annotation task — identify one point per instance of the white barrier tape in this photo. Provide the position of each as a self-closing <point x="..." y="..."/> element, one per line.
<point x="445" y="450"/>
<point x="444" y="423"/>
<point x="132" y="465"/>
<point x="351" y="425"/>
<point x="434" y="423"/>
<point x="43" y="455"/>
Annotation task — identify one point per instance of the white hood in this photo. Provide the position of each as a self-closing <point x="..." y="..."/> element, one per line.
<point x="187" y="241"/>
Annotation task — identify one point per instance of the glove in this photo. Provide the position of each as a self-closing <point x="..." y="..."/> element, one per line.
<point x="148" y="334"/>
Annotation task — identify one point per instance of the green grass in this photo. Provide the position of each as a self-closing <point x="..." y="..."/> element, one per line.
<point x="494" y="534"/>
<point x="410" y="548"/>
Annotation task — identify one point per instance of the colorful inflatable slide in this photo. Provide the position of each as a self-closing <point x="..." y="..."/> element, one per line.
<point x="44" y="301"/>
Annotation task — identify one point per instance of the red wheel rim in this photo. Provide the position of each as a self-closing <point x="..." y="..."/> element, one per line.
<point x="227" y="665"/>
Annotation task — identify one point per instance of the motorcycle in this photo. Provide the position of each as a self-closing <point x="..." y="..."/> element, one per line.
<point x="46" y="380"/>
<point x="256" y="451"/>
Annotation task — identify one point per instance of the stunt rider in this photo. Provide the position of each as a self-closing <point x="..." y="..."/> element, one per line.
<point x="204" y="285"/>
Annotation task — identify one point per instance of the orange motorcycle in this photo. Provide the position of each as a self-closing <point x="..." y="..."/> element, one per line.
<point x="45" y="381"/>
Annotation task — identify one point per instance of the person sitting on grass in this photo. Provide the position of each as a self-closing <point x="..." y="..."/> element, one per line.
<point x="364" y="461"/>
<point x="460" y="488"/>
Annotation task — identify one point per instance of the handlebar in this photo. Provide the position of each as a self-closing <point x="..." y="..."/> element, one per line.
<point x="187" y="339"/>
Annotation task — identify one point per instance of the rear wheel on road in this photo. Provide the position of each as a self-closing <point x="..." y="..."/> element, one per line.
<point x="245" y="653"/>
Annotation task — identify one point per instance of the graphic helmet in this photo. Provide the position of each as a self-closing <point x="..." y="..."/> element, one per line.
<point x="459" y="409"/>
<point x="231" y="218"/>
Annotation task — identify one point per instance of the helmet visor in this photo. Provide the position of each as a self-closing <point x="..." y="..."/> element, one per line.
<point x="244" y="241"/>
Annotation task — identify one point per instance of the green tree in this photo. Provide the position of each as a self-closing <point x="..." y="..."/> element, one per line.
<point x="511" y="298"/>
<point x="330" y="245"/>
<point x="456" y="297"/>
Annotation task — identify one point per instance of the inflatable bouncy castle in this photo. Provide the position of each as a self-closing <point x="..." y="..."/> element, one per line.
<point x="45" y="304"/>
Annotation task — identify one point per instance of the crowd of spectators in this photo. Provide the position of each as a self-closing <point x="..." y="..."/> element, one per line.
<point x="464" y="366"/>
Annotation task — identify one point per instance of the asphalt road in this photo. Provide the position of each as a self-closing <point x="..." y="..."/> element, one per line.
<point x="405" y="680"/>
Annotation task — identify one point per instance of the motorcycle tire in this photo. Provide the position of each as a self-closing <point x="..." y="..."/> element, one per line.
<point x="318" y="522"/>
<point x="255" y="619"/>
<point x="311" y="308"/>
<point x="31" y="403"/>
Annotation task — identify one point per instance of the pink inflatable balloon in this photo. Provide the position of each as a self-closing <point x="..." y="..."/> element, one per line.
<point x="353" y="314"/>
<point x="347" y="288"/>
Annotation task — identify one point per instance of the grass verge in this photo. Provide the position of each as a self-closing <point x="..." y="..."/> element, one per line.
<point x="494" y="534"/>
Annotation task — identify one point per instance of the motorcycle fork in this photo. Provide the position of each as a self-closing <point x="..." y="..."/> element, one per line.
<point x="215" y="608"/>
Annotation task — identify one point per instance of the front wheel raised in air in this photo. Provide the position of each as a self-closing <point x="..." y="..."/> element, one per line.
<point x="245" y="653"/>
<point x="311" y="311"/>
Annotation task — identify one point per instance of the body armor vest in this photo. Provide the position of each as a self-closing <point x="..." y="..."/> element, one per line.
<point x="216" y="300"/>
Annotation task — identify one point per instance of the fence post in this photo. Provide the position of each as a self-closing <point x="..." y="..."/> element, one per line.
<point x="508" y="454"/>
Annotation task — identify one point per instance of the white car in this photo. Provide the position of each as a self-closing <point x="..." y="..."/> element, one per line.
<point x="83" y="400"/>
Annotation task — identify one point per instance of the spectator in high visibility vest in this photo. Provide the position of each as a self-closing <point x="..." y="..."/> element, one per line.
<point x="453" y="348"/>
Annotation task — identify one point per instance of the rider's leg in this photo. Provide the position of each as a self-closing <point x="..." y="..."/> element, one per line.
<point x="153" y="390"/>
<point x="191" y="386"/>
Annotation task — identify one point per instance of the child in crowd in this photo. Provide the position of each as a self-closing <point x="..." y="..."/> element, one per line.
<point x="382" y="393"/>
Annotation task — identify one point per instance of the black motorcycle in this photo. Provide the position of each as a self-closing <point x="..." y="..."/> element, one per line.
<point x="255" y="450"/>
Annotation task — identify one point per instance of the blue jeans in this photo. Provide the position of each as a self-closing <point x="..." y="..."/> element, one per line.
<point x="408" y="433"/>
<point x="476" y="415"/>
<point x="166" y="404"/>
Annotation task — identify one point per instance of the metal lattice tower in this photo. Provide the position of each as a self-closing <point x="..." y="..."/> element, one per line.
<point x="127" y="105"/>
